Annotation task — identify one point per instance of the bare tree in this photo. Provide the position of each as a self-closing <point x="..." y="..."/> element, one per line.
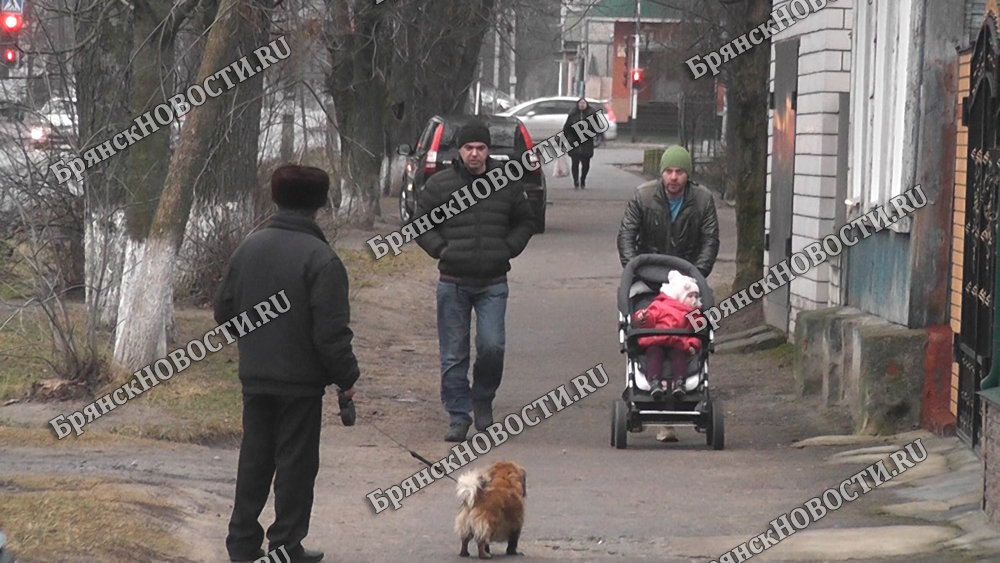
<point x="103" y="86"/>
<point x="225" y="197"/>
<point x="747" y="145"/>
<point x="711" y="25"/>
<point x="144" y="328"/>
<point x="391" y="63"/>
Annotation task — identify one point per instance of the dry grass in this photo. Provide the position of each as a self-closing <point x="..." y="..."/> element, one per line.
<point x="23" y="437"/>
<point x="200" y="405"/>
<point x="363" y="270"/>
<point x="52" y="518"/>
<point x="26" y="349"/>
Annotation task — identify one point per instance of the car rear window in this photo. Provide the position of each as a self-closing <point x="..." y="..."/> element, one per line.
<point x="502" y="135"/>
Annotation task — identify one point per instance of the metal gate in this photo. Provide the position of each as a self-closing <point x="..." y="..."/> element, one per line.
<point x="975" y="342"/>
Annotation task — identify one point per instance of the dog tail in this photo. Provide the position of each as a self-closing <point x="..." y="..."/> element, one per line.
<point x="469" y="484"/>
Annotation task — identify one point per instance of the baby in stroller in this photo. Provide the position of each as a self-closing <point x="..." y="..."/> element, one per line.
<point x="669" y="309"/>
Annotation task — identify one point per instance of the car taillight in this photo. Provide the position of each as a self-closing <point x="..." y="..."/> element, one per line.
<point x="609" y="112"/>
<point x="430" y="164"/>
<point x="529" y="145"/>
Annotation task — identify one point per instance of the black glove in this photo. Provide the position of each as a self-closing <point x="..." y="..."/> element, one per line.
<point x="347" y="413"/>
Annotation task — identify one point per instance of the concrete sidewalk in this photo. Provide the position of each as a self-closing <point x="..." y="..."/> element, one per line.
<point x="943" y="495"/>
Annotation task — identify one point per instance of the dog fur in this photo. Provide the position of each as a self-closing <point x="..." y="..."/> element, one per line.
<point x="492" y="507"/>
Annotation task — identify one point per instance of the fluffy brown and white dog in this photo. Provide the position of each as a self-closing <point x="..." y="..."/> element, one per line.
<point x="492" y="507"/>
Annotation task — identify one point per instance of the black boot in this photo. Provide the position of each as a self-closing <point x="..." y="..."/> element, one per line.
<point x="457" y="431"/>
<point x="303" y="555"/>
<point x="483" y="412"/>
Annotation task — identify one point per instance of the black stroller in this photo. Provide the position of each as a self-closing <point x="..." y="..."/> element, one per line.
<point x="636" y="408"/>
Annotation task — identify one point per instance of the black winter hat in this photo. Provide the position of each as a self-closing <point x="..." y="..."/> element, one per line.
<point x="299" y="187"/>
<point x="473" y="133"/>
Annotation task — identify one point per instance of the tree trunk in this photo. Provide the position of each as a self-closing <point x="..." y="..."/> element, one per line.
<point x="102" y="76"/>
<point x="223" y="210"/>
<point x="141" y="332"/>
<point x="357" y="83"/>
<point x="152" y="64"/>
<point x="366" y="80"/>
<point x="747" y="148"/>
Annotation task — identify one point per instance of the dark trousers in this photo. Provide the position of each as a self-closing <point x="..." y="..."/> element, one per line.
<point x="654" y="363"/>
<point x="580" y="168"/>
<point x="280" y="441"/>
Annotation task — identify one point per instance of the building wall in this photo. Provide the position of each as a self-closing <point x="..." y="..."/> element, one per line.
<point x="903" y="134"/>
<point x="824" y="73"/>
<point x="958" y="224"/>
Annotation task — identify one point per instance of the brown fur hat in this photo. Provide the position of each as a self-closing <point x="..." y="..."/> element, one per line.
<point x="299" y="187"/>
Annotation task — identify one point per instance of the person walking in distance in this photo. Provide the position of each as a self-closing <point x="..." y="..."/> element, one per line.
<point x="474" y="249"/>
<point x="286" y="362"/>
<point x="584" y="151"/>
<point x="671" y="215"/>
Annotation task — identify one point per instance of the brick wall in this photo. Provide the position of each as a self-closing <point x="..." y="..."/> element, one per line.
<point x="824" y="72"/>
<point x="958" y="231"/>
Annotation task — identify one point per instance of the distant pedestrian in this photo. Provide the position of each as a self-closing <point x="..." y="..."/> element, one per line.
<point x="474" y="249"/>
<point x="582" y="153"/>
<point x="286" y="363"/>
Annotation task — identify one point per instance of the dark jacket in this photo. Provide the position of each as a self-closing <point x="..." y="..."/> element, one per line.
<point x="647" y="227"/>
<point x="307" y="347"/>
<point x="586" y="147"/>
<point x="479" y="242"/>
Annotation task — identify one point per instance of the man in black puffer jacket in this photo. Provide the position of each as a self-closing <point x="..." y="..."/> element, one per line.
<point x="474" y="247"/>
<point x="287" y="359"/>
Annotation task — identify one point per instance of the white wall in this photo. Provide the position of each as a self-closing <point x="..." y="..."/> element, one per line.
<point x="824" y="72"/>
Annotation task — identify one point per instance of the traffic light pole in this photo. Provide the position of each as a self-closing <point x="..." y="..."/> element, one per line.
<point x="635" y="65"/>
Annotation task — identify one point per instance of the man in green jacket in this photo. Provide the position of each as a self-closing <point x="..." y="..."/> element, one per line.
<point x="671" y="215"/>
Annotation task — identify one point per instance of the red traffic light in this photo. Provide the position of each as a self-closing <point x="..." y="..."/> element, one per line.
<point x="11" y="22"/>
<point x="636" y="75"/>
<point x="10" y="55"/>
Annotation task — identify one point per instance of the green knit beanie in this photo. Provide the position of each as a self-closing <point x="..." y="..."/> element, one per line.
<point x="676" y="157"/>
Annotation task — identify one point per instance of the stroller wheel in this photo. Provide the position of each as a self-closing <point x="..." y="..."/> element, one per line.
<point x="715" y="432"/>
<point x="619" y="424"/>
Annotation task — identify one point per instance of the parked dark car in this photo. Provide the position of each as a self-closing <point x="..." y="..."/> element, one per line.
<point x="436" y="150"/>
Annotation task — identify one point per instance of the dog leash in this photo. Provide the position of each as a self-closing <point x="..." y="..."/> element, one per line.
<point x="412" y="453"/>
<point x="348" y="416"/>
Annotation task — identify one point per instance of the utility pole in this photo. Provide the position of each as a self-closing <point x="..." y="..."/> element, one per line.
<point x="586" y="54"/>
<point x="496" y="59"/>
<point x="562" y="44"/>
<point x="635" y="65"/>
<point x="512" y="80"/>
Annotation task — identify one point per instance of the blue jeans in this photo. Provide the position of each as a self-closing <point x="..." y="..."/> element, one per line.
<point x="454" y="317"/>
